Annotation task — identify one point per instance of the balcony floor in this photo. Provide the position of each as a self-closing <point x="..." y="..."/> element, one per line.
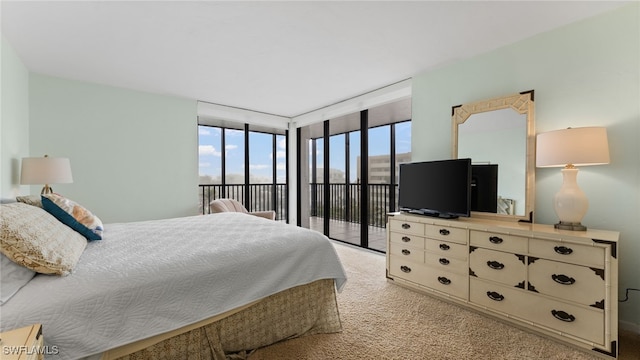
<point x="350" y="232"/>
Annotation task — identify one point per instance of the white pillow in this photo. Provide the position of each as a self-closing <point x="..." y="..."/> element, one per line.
<point x="12" y="278"/>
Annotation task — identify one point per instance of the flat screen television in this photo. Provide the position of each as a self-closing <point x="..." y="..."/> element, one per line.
<point x="436" y="188"/>
<point x="484" y="188"/>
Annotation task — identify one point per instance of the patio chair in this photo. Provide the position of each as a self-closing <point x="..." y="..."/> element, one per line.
<point x="231" y="205"/>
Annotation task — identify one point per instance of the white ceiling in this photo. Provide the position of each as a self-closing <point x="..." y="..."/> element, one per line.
<point x="282" y="58"/>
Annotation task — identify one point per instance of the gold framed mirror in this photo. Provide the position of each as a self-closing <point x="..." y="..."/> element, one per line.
<point x="499" y="136"/>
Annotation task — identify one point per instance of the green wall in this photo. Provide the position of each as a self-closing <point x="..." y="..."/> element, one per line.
<point x="14" y="120"/>
<point x="584" y="74"/>
<point x="133" y="154"/>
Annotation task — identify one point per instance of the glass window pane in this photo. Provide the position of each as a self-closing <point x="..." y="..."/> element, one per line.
<point x="354" y="157"/>
<point x="316" y="191"/>
<point x="209" y="166"/>
<point x="209" y="155"/>
<point x="260" y="171"/>
<point x="281" y="159"/>
<point x="281" y="206"/>
<point x="379" y="184"/>
<point x="337" y="188"/>
<point x="403" y="150"/>
<point x="234" y="164"/>
<point x="260" y="158"/>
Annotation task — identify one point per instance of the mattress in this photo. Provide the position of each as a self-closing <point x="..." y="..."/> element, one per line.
<point x="152" y="277"/>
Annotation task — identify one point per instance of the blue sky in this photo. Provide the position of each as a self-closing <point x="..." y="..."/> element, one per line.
<point x="261" y="151"/>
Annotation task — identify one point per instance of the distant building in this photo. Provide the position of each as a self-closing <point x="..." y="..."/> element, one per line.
<point x="379" y="168"/>
<point x="335" y="176"/>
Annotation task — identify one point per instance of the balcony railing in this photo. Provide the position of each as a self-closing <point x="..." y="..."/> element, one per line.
<point x="344" y="200"/>
<point x="262" y="197"/>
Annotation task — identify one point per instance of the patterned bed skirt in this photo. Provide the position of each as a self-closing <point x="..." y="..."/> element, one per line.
<point x="299" y="311"/>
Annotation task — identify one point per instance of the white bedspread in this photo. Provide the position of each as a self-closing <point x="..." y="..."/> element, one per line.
<point x="147" y="278"/>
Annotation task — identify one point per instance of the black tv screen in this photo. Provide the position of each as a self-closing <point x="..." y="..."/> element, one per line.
<point x="436" y="188"/>
<point x="484" y="188"/>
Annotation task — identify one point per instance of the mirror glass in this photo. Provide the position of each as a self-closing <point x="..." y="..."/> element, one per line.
<point x="497" y="135"/>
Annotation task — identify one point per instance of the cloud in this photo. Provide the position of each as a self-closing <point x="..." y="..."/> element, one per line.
<point x="282" y="144"/>
<point x="204" y="150"/>
<point x="233" y="132"/>
<point x="204" y="164"/>
<point x="258" y="166"/>
<point x="203" y="131"/>
<point x="279" y="155"/>
<point x="281" y="166"/>
<point x="230" y="147"/>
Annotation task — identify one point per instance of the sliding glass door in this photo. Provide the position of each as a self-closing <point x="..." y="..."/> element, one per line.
<point x="353" y="173"/>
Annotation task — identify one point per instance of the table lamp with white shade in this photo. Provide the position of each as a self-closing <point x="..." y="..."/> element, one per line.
<point x="569" y="148"/>
<point x="45" y="170"/>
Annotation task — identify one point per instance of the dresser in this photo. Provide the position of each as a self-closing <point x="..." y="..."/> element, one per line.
<point x="24" y="343"/>
<point x="561" y="284"/>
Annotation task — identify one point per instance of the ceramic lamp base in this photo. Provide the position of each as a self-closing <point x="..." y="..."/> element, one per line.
<point x="570" y="226"/>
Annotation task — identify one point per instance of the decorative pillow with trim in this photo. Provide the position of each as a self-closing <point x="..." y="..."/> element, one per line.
<point x="73" y="215"/>
<point x="30" y="200"/>
<point x="31" y="237"/>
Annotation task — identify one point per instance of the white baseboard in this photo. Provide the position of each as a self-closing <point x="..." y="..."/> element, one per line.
<point x="629" y="326"/>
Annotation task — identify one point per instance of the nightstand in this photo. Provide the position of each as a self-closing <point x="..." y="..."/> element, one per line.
<point x="26" y="343"/>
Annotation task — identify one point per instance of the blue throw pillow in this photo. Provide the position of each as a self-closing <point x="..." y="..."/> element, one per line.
<point x="73" y="215"/>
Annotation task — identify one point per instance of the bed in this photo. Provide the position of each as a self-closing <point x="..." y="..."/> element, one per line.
<point x="208" y="286"/>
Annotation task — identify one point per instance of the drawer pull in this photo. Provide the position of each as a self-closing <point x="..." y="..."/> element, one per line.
<point x="563" y="250"/>
<point x="444" y="232"/>
<point x="406" y="239"/>
<point x="443" y="280"/>
<point x="444" y="261"/>
<point x="495" y="296"/>
<point x="444" y="247"/>
<point x="406" y="252"/>
<point x="495" y="265"/>
<point x="495" y="240"/>
<point x="563" y="279"/>
<point x="563" y="316"/>
<point x="405" y="268"/>
<point x="406" y="226"/>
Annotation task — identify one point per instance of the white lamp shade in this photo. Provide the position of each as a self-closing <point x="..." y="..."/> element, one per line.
<point x="572" y="146"/>
<point x="45" y="170"/>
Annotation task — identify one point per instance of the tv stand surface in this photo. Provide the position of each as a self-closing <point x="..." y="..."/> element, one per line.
<point x="432" y="214"/>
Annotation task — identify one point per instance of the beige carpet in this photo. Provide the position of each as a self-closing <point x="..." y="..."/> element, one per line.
<point x="384" y="321"/>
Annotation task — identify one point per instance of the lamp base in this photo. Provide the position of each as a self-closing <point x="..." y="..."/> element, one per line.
<point x="563" y="225"/>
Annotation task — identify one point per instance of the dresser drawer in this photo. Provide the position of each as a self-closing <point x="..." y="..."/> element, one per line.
<point x="502" y="242"/>
<point x="571" y="253"/>
<point x="506" y="268"/>
<point x="579" y="321"/>
<point x="447" y="233"/>
<point x="407" y="252"/>
<point x="502" y="299"/>
<point x="406" y="227"/>
<point x="407" y="239"/>
<point x="446" y="263"/>
<point x="577" y="283"/>
<point x="447" y="249"/>
<point x="444" y="281"/>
